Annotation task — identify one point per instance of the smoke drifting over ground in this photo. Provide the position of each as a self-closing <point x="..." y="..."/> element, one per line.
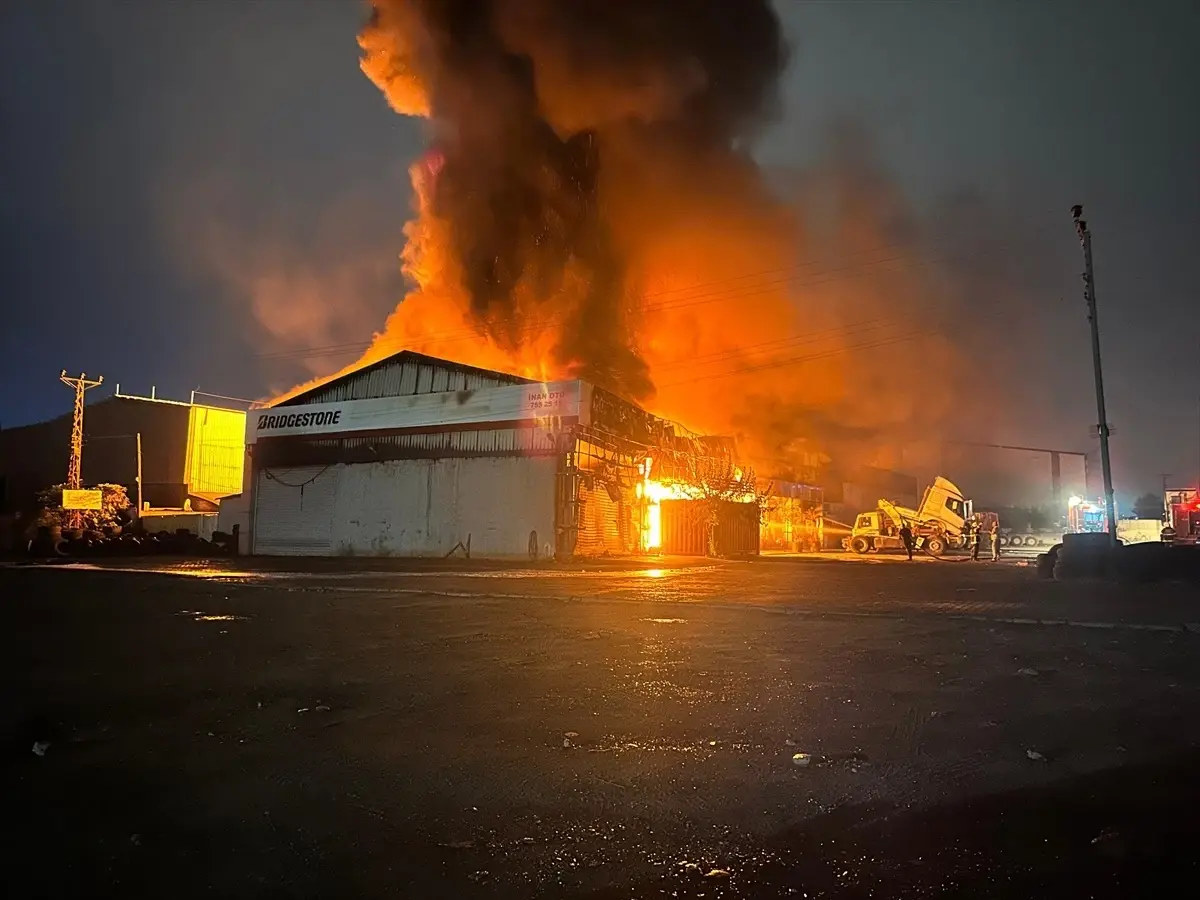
<point x="590" y="208"/>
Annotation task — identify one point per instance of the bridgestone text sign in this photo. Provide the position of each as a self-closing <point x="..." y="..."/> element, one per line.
<point x="532" y="403"/>
<point x="274" y="421"/>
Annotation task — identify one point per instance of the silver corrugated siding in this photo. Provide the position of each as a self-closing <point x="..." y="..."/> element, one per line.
<point x="500" y="440"/>
<point x="404" y="378"/>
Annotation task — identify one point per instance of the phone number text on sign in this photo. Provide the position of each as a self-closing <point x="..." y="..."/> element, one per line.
<point x="545" y="399"/>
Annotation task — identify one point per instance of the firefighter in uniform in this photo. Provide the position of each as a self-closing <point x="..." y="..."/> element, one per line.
<point x="994" y="535"/>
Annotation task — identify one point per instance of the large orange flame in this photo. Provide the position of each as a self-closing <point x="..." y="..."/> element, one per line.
<point x="791" y="316"/>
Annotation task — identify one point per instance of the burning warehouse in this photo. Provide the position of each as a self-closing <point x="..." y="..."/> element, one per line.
<point x="418" y="456"/>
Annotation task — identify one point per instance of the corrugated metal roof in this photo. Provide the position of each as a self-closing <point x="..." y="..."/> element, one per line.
<point x="404" y="374"/>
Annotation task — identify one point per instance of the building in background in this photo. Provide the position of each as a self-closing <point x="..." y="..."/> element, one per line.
<point x="849" y="491"/>
<point x="419" y="456"/>
<point x="191" y="454"/>
<point x="793" y="518"/>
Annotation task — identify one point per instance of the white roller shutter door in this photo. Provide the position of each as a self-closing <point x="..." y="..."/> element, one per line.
<point x="293" y="511"/>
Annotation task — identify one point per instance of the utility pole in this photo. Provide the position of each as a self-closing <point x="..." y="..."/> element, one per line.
<point x="80" y="385"/>
<point x="139" y="473"/>
<point x="1089" y="295"/>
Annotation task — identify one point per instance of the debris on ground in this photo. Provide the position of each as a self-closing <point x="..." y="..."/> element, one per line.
<point x="481" y="875"/>
<point x="1027" y="671"/>
<point x="717" y="873"/>
<point x="572" y="734"/>
<point x="802" y="759"/>
<point x="40" y="748"/>
<point x="1035" y="756"/>
<point x="459" y="845"/>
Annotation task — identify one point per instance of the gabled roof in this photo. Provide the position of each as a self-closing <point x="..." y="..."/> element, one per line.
<point x="403" y="356"/>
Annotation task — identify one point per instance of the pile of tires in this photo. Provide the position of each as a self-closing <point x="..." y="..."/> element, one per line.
<point x="1024" y="541"/>
<point x="1183" y="562"/>
<point x="1047" y="561"/>
<point x="1083" y="556"/>
<point x="1135" y="563"/>
<point x="53" y="542"/>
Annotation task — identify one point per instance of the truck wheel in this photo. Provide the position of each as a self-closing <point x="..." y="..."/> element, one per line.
<point x="859" y="545"/>
<point x="1031" y="541"/>
<point x="935" y="546"/>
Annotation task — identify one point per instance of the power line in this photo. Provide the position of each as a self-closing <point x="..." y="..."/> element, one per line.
<point x="744" y="292"/>
<point x="470" y="332"/>
<point x="811" y="357"/>
<point x="782" y="343"/>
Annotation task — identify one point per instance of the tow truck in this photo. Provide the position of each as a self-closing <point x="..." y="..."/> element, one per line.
<point x="937" y="524"/>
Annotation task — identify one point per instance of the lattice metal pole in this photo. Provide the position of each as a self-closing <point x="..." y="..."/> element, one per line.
<point x="75" y="467"/>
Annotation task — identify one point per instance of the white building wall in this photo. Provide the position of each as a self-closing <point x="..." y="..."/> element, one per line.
<point x="293" y="511"/>
<point x="424" y="507"/>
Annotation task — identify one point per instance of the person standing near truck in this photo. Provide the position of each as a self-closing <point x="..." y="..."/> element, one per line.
<point x="906" y="538"/>
<point x="994" y="536"/>
<point x="973" y="537"/>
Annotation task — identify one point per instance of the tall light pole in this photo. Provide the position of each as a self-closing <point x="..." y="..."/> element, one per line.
<point x="1089" y="294"/>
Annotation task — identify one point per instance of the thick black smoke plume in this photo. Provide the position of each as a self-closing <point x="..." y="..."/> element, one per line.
<point x="544" y="109"/>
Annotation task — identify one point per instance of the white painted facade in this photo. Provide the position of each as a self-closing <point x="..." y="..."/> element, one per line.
<point x="293" y="511"/>
<point x="534" y="403"/>
<point x="501" y="506"/>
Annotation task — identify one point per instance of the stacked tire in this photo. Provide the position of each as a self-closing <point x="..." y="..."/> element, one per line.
<point x="1082" y="556"/>
<point x="1141" y="562"/>
<point x="1047" y="561"/>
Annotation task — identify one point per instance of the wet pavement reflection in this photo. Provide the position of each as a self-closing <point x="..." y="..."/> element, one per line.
<point x="732" y="730"/>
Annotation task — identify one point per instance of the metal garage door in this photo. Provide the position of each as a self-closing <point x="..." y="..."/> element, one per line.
<point x="293" y="511"/>
<point x="602" y="520"/>
<point x="684" y="532"/>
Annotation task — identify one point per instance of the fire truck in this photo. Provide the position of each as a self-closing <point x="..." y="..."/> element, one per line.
<point x="1086" y="517"/>
<point x="1183" y="515"/>
<point x="1083" y="516"/>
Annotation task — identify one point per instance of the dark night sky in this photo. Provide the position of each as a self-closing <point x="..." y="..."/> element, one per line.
<point x="175" y="174"/>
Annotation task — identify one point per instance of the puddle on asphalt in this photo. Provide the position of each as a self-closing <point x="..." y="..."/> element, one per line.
<point x="219" y="573"/>
<point x="198" y="616"/>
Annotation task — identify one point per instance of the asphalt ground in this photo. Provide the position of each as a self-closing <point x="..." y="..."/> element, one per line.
<point x="251" y="729"/>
